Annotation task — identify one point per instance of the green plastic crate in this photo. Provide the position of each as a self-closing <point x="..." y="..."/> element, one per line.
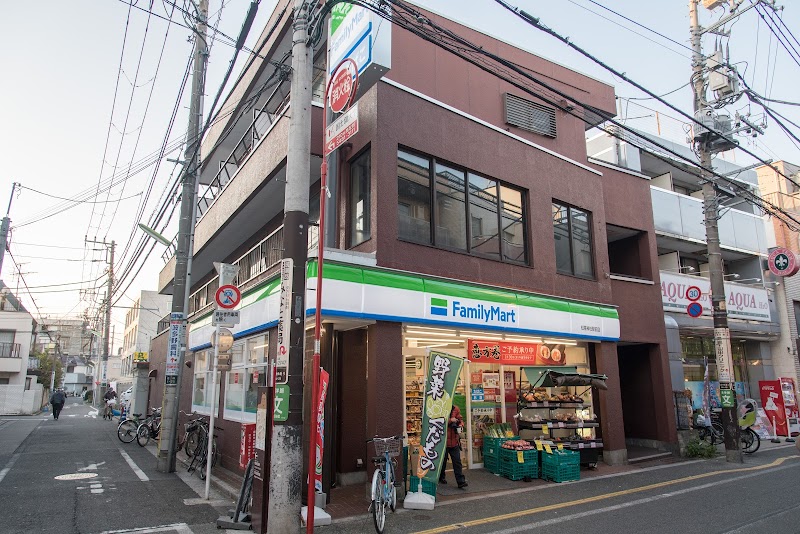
<point x="491" y="464"/>
<point x="561" y="466"/>
<point x="427" y="486"/>
<point x="491" y="446"/>
<point x="511" y="468"/>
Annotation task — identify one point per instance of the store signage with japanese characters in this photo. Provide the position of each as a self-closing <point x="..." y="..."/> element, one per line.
<point x="176" y="334"/>
<point x="515" y="353"/>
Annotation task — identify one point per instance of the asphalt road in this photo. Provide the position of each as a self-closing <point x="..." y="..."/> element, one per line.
<point x="75" y="476"/>
<point x="709" y="497"/>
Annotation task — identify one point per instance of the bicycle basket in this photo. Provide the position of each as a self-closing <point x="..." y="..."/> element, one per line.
<point x="392" y="446"/>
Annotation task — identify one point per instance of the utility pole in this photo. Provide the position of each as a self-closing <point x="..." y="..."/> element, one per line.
<point x="176" y="350"/>
<point x="722" y="337"/>
<point x="287" y="451"/>
<point x="4" y="226"/>
<point x="103" y="370"/>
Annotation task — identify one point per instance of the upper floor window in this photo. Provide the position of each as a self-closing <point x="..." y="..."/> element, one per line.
<point x="360" y="202"/>
<point x="443" y="205"/>
<point x="573" y="240"/>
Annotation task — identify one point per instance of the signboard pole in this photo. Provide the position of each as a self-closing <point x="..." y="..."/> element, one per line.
<point x="214" y="403"/>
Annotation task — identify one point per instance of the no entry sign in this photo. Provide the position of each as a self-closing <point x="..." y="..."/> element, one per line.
<point x="227" y="296"/>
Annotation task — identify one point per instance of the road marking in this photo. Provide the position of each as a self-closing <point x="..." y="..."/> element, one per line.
<point x="75" y="476"/>
<point x="179" y="528"/>
<point x="8" y="466"/>
<point x="91" y="467"/>
<point x="596" y="498"/>
<point x="139" y="472"/>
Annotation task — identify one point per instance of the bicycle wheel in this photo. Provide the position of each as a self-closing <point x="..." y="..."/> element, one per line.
<point x="750" y="441"/>
<point x="126" y="431"/>
<point x="378" y="504"/>
<point x="143" y="435"/>
<point x="392" y="490"/>
<point x="717" y="433"/>
<point x="192" y="442"/>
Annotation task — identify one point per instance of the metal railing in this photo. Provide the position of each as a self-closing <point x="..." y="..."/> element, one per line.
<point x="9" y="350"/>
<point x="255" y="262"/>
<point x="787" y="201"/>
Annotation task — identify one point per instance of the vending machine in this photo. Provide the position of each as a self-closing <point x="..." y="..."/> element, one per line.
<point x="772" y="402"/>
<point x="790" y="404"/>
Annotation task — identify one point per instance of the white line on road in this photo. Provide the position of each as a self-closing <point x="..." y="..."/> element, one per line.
<point x="8" y="466"/>
<point x="179" y="528"/>
<point x="139" y="472"/>
<point x="710" y="485"/>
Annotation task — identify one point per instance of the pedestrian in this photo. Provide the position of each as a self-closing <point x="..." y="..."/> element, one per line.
<point x="57" y="400"/>
<point x="453" y="448"/>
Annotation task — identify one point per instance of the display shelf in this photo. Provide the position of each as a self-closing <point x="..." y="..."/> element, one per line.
<point x="555" y="424"/>
<point x="552" y="404"/>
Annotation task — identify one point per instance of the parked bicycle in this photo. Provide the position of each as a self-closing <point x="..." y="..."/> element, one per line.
<point x="384" y="491"/>
<point x="714" y="432"/>
<point x="201" y="456"/>
<point x="149" y="428"/>
<point x="126" y="431"/>
<point x="190" y="439"/>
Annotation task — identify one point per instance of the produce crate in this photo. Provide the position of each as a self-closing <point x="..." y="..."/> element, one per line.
<point x="511" y="468"/>
<point x="427" y="486"/>
<point x="561" y="466"/>
<point x="491" y="464"/>
<point x="491" y="446"/>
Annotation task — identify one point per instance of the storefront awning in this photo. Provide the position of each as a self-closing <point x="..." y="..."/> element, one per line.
<point x="552" y="378"/>
<point x="534" y="373"/>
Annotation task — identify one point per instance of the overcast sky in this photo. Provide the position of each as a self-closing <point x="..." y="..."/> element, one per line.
<point x="60" y="65"/>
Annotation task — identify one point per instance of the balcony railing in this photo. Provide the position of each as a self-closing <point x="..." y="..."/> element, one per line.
<point x="255" y="262"/>
<point x="786" y="201"/>
<point x="263" y="121"/>
<point x="9" y="350"/>
<point x="682" y="216"/>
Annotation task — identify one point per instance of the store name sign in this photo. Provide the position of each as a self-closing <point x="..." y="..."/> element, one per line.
<point x="743" y="302"/>
<point x="474" y="311"/>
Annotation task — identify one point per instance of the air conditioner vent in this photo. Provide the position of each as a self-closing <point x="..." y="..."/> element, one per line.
<point x="529" y="115"/>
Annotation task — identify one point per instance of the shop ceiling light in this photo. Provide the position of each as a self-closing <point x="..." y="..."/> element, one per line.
<point x="431" y="333"/>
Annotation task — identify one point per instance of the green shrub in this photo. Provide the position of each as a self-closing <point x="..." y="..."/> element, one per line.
<point x="698" y="448"/>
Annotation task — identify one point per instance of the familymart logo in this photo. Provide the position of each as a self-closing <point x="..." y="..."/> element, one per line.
<point x="478" y="311"/>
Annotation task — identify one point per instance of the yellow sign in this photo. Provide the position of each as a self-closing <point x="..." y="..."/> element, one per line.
<point x="561" y="446"/>
<point x="141" y="357"/>
<point x="547" y="449"/>
<point x="545" y="430"/>
<point x="538" y="445"/>
<point x="520" y="457"/>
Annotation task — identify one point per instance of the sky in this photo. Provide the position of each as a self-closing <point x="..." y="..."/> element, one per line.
<point x="85" y="100"/>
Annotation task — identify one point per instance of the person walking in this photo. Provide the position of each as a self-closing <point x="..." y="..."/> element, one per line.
<point x="453" y="449"/>
<point x="57" y="400"/>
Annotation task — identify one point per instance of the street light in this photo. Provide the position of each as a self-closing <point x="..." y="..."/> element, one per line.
<point x="155" y="235"/>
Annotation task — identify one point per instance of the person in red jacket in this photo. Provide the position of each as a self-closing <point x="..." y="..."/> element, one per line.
<point x="453" y="448"/>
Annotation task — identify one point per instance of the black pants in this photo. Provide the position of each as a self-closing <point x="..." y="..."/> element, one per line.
<point x="57" y="409"/>
<point x="455" y="455"/>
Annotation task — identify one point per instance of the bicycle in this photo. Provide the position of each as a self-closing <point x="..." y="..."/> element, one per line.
<point x="384" y="490"/>
<point x="149" y="428"/>
<point x="714" y="433"/>
<point x="108" y="411"/>
<point x="200" y="458"/>
<point x="191" y="434"/>
<point x="126" y="431"/>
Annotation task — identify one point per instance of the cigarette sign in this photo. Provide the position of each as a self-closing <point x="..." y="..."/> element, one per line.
<point x="341" y="130"/>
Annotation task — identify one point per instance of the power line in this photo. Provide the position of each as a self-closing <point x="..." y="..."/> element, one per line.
<point x="78" y="201"/>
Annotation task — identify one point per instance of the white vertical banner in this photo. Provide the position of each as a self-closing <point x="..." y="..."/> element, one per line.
<point x="284" y="322"/>
<point x="176" y="333"/>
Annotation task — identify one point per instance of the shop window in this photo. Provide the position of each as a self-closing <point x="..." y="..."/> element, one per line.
<point x="573" y="241"/>
<point x="201" y="385"/>
<point x="360" y="200"/>
<point x="468" y="212"/>
<point x="248" y="371"/>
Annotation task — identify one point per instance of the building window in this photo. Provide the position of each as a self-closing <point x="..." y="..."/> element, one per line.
<point x="201" y="387"/>
<point x="573" y="241"/>
<point x="468" y="212"/>
<point x="360" y="200"/>
<point x="248" y="371"/>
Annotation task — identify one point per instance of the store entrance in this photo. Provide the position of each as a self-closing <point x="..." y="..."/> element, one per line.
<point x="637" y="388"/>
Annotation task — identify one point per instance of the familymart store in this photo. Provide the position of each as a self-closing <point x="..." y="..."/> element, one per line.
<point x="378" y="326"/>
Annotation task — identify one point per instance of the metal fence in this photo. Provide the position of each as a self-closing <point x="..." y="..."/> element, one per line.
<point x="9" y="350"/>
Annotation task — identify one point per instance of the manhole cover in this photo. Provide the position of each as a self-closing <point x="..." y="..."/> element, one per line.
<point x="76" y="476"/>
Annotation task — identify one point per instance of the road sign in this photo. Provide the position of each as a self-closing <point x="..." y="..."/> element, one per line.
<point x="695" y="309"/>
<point x="225" y="339"/>
<point x="340" y="130"/>
<point x="783" y="262"/>
<point x="225" y="317"/>
<point x="227" y="272"/>
<point x="342" y="87"/>
<point x="693" y="293"/>
<point x="227" y="296"/>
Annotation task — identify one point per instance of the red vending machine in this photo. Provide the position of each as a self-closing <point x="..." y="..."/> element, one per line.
<point x="772" y="402"/>
<point x="790" y="404"/>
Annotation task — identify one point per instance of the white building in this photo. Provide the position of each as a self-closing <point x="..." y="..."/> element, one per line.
<point x="19" y="391"/>
<point x="141" y="325"/>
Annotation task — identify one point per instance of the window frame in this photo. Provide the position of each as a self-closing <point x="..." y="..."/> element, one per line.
<point x="470" y="250"/>
<point x="203" y="409"/>
<point x="570" y="234"/>
<point x="245" y="367"/>
<point x="365" y="152"/>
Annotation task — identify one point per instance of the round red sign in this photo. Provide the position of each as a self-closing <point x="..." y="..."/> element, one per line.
<point x="783" y="262"/>
<point x="227" y="296"/>
<point x="693" y="293"/>
<point x="342" y="88"/>
<point x="695" y="309"/>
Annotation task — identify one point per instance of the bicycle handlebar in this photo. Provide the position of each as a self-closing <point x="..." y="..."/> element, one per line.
<point x="383" y="439"/>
